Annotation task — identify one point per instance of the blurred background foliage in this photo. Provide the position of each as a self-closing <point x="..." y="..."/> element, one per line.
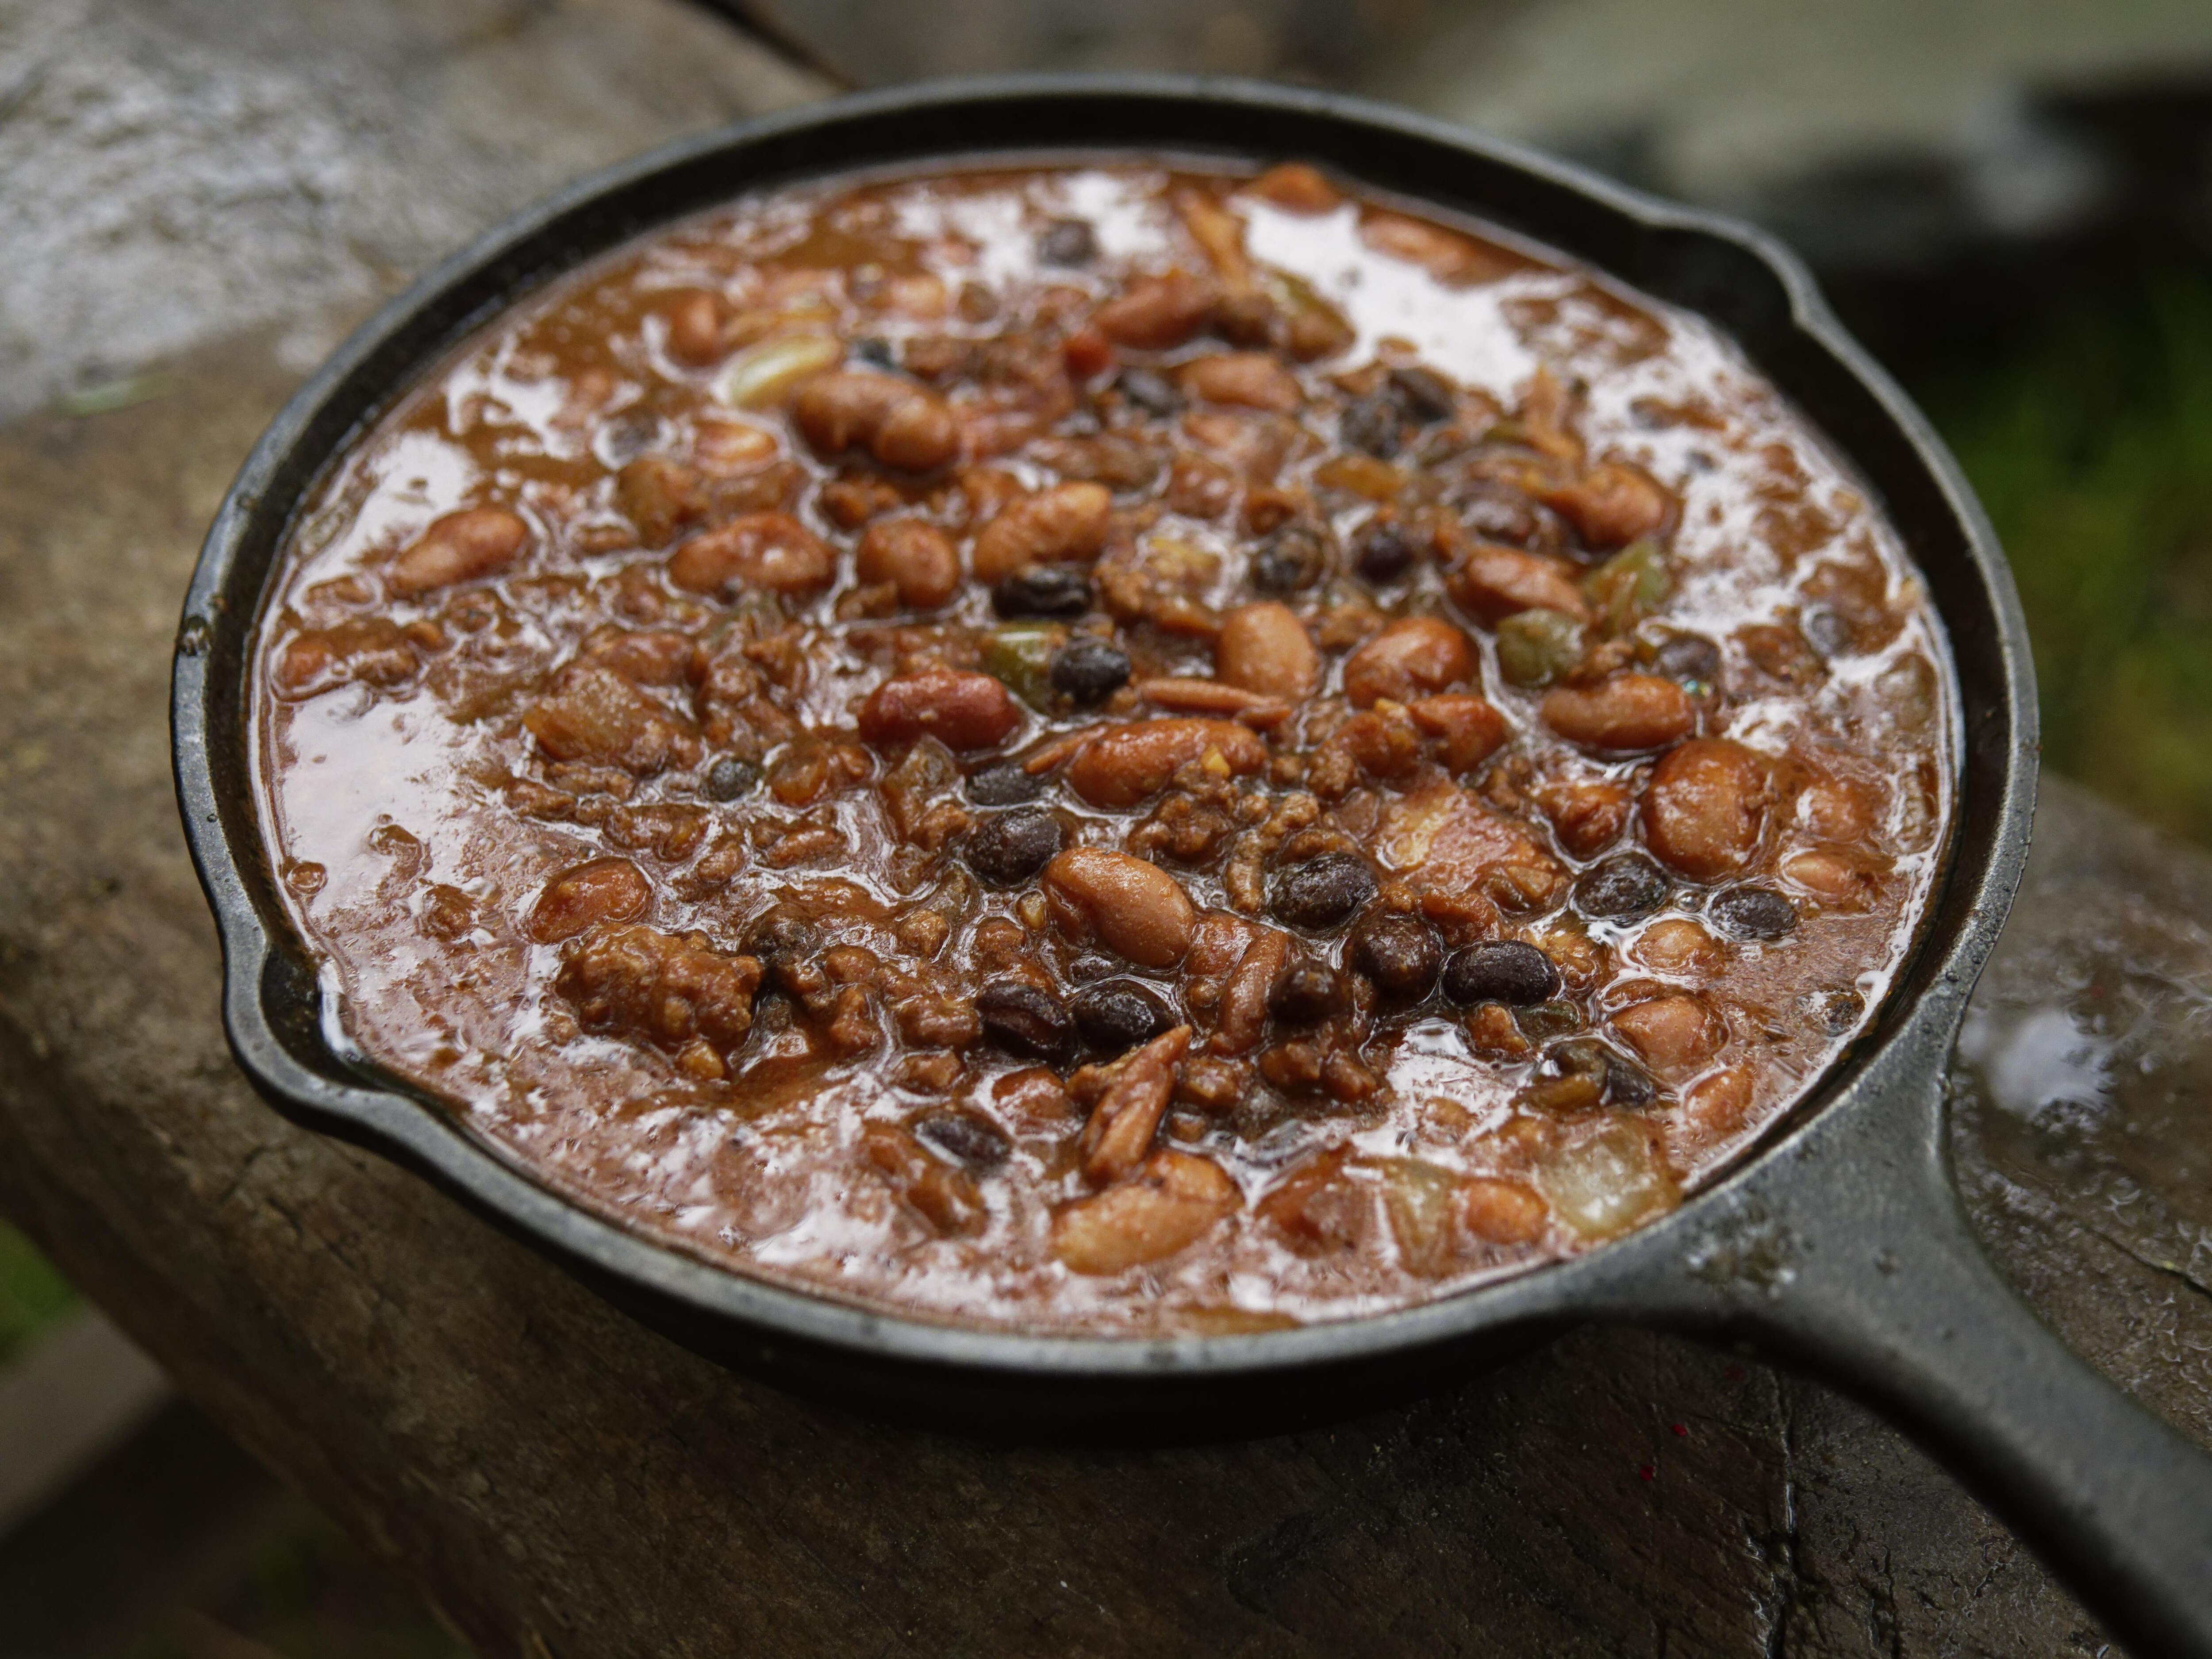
<point x="31" y="1294"/>
<point x="2090" y="443"/>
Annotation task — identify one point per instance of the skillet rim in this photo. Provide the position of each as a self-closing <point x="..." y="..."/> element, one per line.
<point x="1910" y="1034"/>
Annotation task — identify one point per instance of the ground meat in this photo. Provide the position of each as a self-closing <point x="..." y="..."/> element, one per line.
<point x="637" y="983"/>
<point x="1083" y="770"/>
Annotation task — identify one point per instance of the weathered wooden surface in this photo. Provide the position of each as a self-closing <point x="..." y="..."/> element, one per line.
<point x="560" y="1482"/>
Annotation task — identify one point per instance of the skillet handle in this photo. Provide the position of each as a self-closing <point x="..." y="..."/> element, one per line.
<point x="1875" y="1282"/>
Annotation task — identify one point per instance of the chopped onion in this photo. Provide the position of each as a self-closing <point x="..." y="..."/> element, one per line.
<point x="764" y="373"/>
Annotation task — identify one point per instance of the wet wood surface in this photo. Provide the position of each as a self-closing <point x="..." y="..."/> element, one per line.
<point x="558" y="1480"/>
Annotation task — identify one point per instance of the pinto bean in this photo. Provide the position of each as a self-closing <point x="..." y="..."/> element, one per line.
<point x="1491" y="583"/>
<point x="603" y="889"/>
<point x="1625" y="712"/>
<point x="1157" y="312"/>
<point x="1677" y="945"/>
<point x="1250" y="987"/>
<point x="1501" y="1211"/>
<point x="1446" y="255"/>
<point x="900" y="423"/>
<point x="1713" y="1111"/>
<point x="1265" y="648"/>
<point x="1587" y="815"/>
<point x="1838" y="809"/>
<point x="1467" y="731"/>
<point x="1128" y="1116"/>
<point x="915" y="557"/>
<point x="659" y="497"/>
<point x="1065" y="524"/>
<point x="1212" y="697"/>
<point x="1612" y="505"/>
<point x="1135" y="909"/>
<point x="653" y="656"/>
<point x="732" y="449"/>
<point x="1706" y="809"/>
<point x="1129" y="763"/>
<point x="1251" y="379"/>
<point x="964" y="711"/>
<point x="1674" y="1034"/>
<point x="1173" y="1199"/>
<point x="1843" y="880"/>
<point x="1295" y="188"/>
<point x="758" y="550"/>
<point x="1410" y="659"/>
<point x="1384" y="741"/>
<point x="461" y="547"/>
<point x="945" y="1195"/>
<point x="368" y="650"/>
<point x="693" y="318"/>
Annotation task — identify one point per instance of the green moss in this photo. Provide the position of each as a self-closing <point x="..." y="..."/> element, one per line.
<point x="31" y="1294"/>
<point x="2092" y="449"/>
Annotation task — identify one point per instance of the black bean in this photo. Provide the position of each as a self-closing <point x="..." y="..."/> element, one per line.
<point x="1753" y="913"/>
<point x="1292" y="559"/>
<point x="876" y="352"/>
<point x="625" y="437"/>
<point x="1066" y="242"/>
<point x="1620" y="1081"/>
<point x="1501" y="970"/>
<point x="1245" y="319"/>
<point x="1691" y="657"/>
<point x="1006" y="783"/>
<point x="1008" y="849"/>
<point x="1307" y="992"/>
<point x="1400" y="954"/>
<point x="968" y="1138"/>
<point x="780" y="939"/>
<point x="1115" y="1015"/>
<point x="1384" y="553"/>
<point x="1044" y="590"/>
<point x="1087" y="671"/>
<point x="1025" y="1021"/>
<point x="1837" y="1010"/>
<point x="1153" y="393"/>
<point x="1627" y="1084"/>
<point x="1323" y="892"/>
<point x="1827" y="633"/>
<point x="1372" y="423"/>
<point x="730" y="777"/>
<point x="1424" y="395"/>
<point x="1624" y="888"/>
<point x="1498" y="512"/>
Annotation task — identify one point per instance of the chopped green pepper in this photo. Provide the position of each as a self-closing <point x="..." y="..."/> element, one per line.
<point x="1535" y="648"/>
<point x="1543" y="1020"/>
<point x="1020" y="654"/>
<point x="1628" y="586"/>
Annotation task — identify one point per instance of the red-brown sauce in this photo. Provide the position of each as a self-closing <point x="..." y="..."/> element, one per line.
<point x="1102" y="747"/>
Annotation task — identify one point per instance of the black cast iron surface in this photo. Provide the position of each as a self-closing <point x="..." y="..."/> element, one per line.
<point x="1840" y="1244"/>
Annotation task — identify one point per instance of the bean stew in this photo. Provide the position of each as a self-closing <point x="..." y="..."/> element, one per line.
<point x="1116" y="747"/>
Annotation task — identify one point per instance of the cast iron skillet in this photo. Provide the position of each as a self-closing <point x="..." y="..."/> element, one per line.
<point x="1841" y="1246"/>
